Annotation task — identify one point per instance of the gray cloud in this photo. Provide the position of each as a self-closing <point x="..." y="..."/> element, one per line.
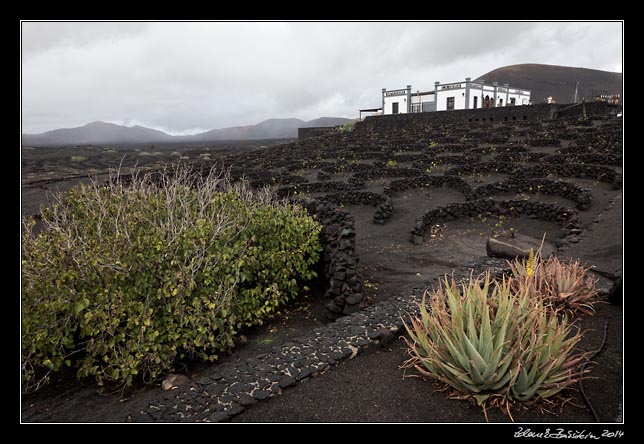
<point x="190" y="76"/>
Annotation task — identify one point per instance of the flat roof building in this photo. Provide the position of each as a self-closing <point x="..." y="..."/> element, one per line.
<point x="450" y="96"/>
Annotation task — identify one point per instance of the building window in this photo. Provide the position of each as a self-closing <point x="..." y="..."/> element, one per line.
<point x="476" y="102"/>
<point x="415" y="107"/>
<point x="450" y="103"/>
<point x="394" y="108"/>
<point x="427" y="107"/>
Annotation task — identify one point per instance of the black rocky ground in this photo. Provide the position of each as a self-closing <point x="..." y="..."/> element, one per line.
<point x="401" y="204"/>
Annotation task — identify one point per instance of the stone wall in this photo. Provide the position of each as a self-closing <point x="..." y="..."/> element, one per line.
<point x="520" y="171"/>
<point x="313" y="187"/>
<point x="588" y="109"/>
<point x="384" y="205"/>
<point x="314" y="131"/>
<point x="582" y="197"/>
<point x="538" y="112"/>
<point x="565" y="217"/>
<point x="345" y="283"/>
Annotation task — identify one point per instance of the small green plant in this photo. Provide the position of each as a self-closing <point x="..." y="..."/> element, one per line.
<point x="78" y="159"/>
<point x="499" y="224"/>
<point x="391" y="163"/>
<point x="491" y="344"/>
<point x="431" y="167"/>
<point x="433" y="144"/>
<point x="348" y="127"/>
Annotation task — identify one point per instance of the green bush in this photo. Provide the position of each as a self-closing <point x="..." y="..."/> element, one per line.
<point x="494" y="345"/>
<point x="348" y="127"/>
<point x="126" y="279"/>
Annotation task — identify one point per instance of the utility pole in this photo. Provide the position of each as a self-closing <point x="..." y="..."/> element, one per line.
<point x="576" y="92"/>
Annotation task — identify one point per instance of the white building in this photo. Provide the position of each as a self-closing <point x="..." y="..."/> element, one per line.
<point x="450" y="96"/>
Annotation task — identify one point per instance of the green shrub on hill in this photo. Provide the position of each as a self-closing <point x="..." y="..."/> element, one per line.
<point x="125" y="279"/>
<point x="348" y="127"/>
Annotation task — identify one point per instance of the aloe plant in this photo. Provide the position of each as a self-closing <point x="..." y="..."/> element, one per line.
<point x="566" y="287"/>
<point x="570" y="286"/>
<point x="488" y="342"/>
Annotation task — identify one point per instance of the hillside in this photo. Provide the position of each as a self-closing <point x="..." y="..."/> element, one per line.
<point x="268" y="129"/>
<point x="556" y="81"/>
<point x="96" y="133"/>
<point x="99" y="133"/>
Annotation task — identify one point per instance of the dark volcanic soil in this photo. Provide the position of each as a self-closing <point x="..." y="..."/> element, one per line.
<point x="370" y="387"/>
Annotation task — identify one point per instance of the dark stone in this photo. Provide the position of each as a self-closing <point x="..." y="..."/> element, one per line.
<point x="305" y="373"/>
<point x="246" y="399"/>
<point x="362" y="342"/>
<point x="350" y="309"/>
<point x="377" y="334"/>
<point x="353" y="299"/>
<point x="332" y="307"/>
<point x="235" y="409"/>
<point x="236" y="387"/>
<point x="517" y="246"/>
<point x="274" y="377"/>
<point x="219" y="416"/>
<point x="387" y="338"/>
<point x="214" y="390"/>
<point x="286" y="381"/>
<point x="225" y="398"/>
<point x="261" y="394"/>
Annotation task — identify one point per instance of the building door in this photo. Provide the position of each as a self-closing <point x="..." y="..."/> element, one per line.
<point x="486" y="102"/>
<point x="513" y="101"/>
<point x="500" y="102"/>
<point x="450" y="103"/>
<point x="394" y="108"/>
<point x="476" y="101"/>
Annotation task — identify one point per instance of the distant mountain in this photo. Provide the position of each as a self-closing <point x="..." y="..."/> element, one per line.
<point x="268" y="129"/>
<point x="101" y="133"/>
<point x="96" y="133"/>
<point x="556" y="81"/>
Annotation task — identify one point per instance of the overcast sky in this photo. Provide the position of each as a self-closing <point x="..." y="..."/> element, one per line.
<point x="184" y="78"/>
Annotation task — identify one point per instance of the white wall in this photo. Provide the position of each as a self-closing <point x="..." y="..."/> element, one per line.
<point x="459" y="98"/>
<point x="486" y="91"/>
<point x="402" y="104"/>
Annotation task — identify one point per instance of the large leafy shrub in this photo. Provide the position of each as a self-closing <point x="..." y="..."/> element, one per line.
<point x="493" y="344"/>
<point x="125" y="279"/>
